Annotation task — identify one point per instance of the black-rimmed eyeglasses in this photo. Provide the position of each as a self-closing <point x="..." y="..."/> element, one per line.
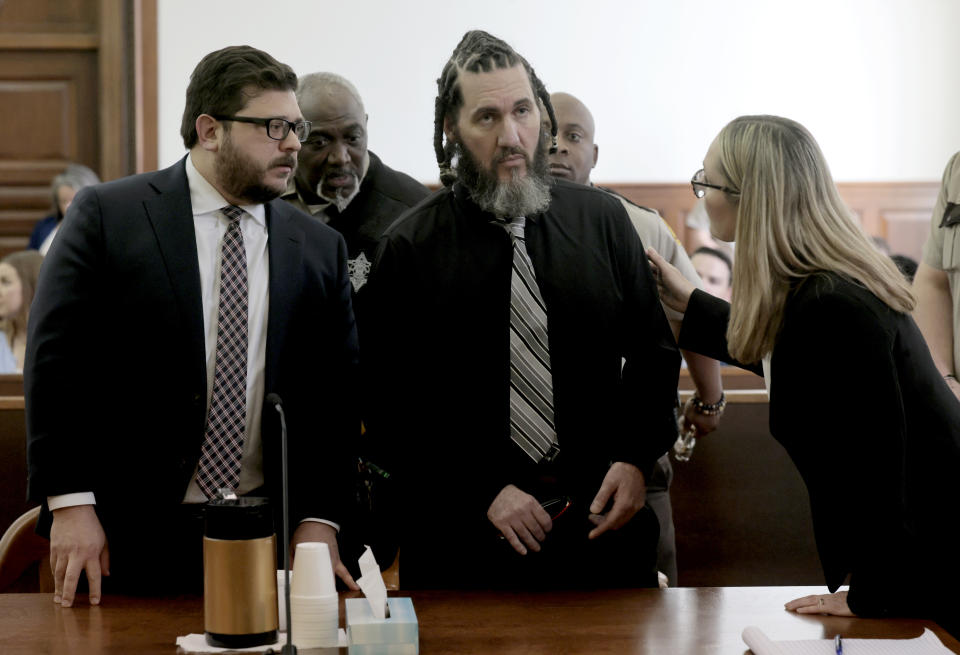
<point x="700" y="187"/>
<point x="277" y="128"/>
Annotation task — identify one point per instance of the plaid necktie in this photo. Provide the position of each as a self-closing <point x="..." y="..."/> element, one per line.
<point x="531" y="383"/>
<point x="223" y="442"/>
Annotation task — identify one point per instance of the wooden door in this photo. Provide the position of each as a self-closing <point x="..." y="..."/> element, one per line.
<point x="65" y="96"/>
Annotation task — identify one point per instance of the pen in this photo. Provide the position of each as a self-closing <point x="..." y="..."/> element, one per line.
<point x="838" y="645"/>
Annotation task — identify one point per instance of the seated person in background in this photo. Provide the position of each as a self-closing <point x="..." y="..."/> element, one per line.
<point x="18" y="280"/>
<point x="63" y="188"/>
<point x="341" y="182"/>
<point x="906" y="265"/>
<point x="575" y="157"/>
<point x="715" y="269"/>
<point x="519" y="355"/>
<point x="855" y="398"/>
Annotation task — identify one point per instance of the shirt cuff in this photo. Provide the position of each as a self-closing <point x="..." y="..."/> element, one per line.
<point x="335" y="526"/>
<point x="71" y="500"/>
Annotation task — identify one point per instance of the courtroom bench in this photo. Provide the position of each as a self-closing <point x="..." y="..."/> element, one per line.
<point x="13" y="460"/>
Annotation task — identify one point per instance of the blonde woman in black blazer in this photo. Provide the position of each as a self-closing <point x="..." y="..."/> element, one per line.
<point x="854" y="395"/>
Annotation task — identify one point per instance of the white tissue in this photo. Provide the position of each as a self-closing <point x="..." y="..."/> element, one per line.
<point x="372" y="585"/>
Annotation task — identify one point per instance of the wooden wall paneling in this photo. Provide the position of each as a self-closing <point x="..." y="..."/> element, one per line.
<point x="49" y="105"/>
<point x="116" y="74"/>
<point x="52" y="41"/>
<point x="43" y="17"/>
<point x="732" y="377"/>
<point x="908" y="230"/>
<point x="897" y="211"/>
<point x="670" y="200"/>
<point x="145" y="85"/>
<point x="48" y="91"/>
<point x="66" y="94"/>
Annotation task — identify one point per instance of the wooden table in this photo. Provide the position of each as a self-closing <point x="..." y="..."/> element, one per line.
<point x="683" y="621"/>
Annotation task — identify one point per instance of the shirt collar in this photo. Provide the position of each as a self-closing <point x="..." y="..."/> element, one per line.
<point x="205" y="199"/>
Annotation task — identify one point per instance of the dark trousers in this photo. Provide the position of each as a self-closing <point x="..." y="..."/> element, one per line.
<point x="658" y="498"/>
<point x="567" y="560"/>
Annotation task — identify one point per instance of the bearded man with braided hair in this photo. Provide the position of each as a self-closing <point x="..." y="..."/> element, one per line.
<point x="505" y="272"/>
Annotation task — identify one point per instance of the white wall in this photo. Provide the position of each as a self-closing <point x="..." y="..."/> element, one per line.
<point x="876" y="81"/>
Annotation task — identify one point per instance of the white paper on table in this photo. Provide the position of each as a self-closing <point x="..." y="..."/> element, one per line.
<point x="194" y="643"/>
<point x="925" y="644"/>
<point x="372" y="585"/>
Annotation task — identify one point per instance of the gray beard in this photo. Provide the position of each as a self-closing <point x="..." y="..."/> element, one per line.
<point x="522" y="195"/>
<point x="340" y="200"/>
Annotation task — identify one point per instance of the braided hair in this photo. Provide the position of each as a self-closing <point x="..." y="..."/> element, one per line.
<point x="477" y="52"/>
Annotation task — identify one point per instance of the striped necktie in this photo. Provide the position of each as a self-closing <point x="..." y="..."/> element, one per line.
<point x="226" y="422"/>
<point x="531" y="383"/>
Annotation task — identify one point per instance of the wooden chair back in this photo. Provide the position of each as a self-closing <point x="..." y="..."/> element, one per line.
<point x="25" y="557"/>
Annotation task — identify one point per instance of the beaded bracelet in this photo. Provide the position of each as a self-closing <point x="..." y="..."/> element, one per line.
<point x="708" y="409"/>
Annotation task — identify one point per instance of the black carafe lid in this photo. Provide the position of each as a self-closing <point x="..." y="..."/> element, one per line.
<point x="238" y="518"/>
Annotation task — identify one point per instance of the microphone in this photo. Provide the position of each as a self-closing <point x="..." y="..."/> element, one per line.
<point x="274" y="400"/>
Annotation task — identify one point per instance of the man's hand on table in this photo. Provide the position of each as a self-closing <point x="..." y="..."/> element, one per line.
<point x="77" y="543"/>
<point x="314" y="531"/>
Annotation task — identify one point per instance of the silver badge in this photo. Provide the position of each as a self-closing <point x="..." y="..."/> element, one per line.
<point x="358" y="269"/>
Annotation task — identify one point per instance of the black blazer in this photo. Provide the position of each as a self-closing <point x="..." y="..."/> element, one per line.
<point x="115" y="377"/>
<point x="875" y="433"/>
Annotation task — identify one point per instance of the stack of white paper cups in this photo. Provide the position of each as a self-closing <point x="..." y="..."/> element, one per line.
<point x="314" y="605"/>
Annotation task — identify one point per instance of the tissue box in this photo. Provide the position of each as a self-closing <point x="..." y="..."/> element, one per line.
<point x="368" y="635"/>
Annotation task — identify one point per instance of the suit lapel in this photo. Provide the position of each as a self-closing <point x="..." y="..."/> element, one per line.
<point x="171" y="217"/>
<point x="285" y="246"/>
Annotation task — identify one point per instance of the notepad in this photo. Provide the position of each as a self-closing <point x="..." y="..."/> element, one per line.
<point x="925" y="644"/>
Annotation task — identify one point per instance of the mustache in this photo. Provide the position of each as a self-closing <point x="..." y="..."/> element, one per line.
<point x="288" y="160"/>
<point x="340" y="170"/>
<point x="510" y="151"/>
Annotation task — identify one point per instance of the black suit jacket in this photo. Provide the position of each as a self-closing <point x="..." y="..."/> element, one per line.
<point x="875" y="433"/>
<point x="115" y="377"/>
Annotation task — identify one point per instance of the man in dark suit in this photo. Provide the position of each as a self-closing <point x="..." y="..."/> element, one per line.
<point x="338" y="180"/>
<point x="523" y="371"/>
<point x="170" y="305"/>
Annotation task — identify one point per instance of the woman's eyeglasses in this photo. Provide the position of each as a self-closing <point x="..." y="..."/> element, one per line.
<point x="700" y="186"/>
